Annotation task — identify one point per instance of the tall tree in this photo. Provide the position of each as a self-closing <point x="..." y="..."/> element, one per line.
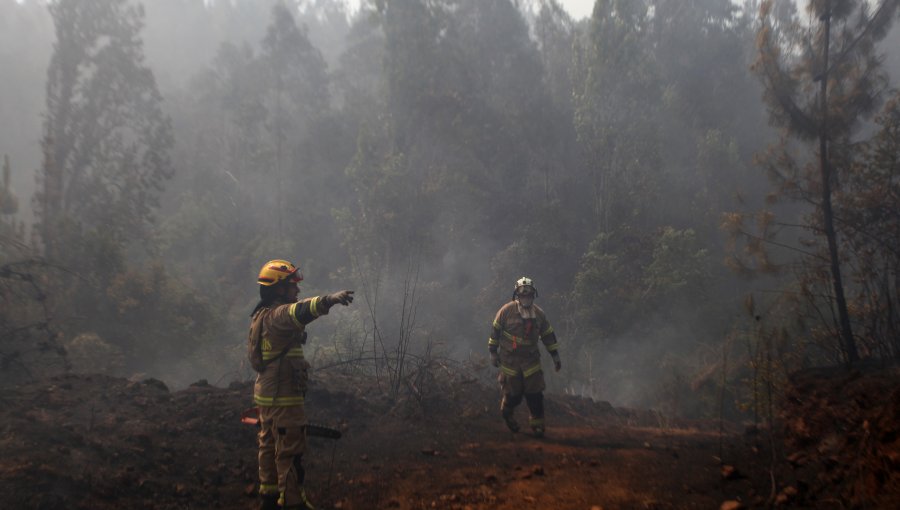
<point x="106" y="139"/>
<point x="615" y="91"/>
<point x="819" y="85"/>
<point x="555" y="34"/>
<point x="256" y="124"/>
<point x="297" y="91"/>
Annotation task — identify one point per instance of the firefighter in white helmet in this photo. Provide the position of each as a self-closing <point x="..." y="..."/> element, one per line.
<point x="277" y="334"/>
<point x="518" y="327"/>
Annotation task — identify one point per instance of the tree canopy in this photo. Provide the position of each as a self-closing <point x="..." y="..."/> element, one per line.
<point x="431" y="152"/>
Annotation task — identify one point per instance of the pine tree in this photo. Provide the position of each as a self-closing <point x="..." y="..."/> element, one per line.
<point x="820" y="83"/>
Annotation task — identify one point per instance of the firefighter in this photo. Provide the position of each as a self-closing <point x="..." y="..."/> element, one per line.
<point x="513" y="346"/>
<point x="279" y="322"/>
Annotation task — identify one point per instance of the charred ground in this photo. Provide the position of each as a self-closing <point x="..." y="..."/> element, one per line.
<point x="99" y="442"/>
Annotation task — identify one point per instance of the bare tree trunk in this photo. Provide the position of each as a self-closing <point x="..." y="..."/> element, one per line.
<point x="849" y="345"/>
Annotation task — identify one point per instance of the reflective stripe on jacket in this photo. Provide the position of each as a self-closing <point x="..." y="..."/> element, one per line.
<point x="284" y="380"/>
<point x="516" y="339"/>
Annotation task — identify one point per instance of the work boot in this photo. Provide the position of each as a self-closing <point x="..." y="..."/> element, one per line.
<point x="511" y="422"/>
<point x="268" y="502"/>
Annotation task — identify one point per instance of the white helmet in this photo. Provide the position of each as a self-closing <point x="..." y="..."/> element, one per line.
<point x="522" y="283"/>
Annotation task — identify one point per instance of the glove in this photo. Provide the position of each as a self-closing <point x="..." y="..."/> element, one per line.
<point x="557" y="364"/>
<point x="495" y="359"/>
<point x="344" y="297"/>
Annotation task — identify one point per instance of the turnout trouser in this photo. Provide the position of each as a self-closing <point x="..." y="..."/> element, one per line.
<point x="282" y="441"/>
<point x="515" y="385"/>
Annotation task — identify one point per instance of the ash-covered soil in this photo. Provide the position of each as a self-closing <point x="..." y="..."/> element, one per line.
<point x="96" y="442"/>
<point x="842" y="430"/>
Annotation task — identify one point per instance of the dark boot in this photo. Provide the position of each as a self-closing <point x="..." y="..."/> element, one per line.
<point x="305" y="504"/>
<point x="535" y="403"/>
<point x="507" y="406"/>
<point x="511" y="422"/>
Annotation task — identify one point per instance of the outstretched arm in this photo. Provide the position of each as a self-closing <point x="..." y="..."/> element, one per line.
<point x="312" y="308"/>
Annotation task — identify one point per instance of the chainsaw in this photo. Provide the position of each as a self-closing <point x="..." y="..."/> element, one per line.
<point x="251" y="417"/>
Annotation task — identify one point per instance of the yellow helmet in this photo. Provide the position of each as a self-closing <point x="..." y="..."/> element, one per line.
<point x="276" y="271"/>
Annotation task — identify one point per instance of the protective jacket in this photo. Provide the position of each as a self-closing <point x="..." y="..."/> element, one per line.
<point x="516" y="338"/>
<point x="284" y="380"/>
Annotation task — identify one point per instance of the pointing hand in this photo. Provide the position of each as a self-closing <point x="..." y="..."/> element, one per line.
<point x="344" y="297"/>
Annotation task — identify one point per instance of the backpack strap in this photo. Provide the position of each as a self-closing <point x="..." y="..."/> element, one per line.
<point x="280" y="355"/>
<point x="259" y="333"/>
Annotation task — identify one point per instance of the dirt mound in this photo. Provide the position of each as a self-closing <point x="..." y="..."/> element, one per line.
<point x="843" y="434"/>
<point x="96" y="442"/>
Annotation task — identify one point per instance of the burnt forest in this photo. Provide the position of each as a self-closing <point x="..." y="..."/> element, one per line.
<point x="603" y="254"/>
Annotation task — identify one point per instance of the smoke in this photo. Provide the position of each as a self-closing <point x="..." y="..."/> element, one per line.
<point x="443" y="165"/>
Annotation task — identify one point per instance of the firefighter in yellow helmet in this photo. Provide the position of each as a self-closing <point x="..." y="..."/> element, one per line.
<point x="278" y="323"/>
<point x="513" y="346"/>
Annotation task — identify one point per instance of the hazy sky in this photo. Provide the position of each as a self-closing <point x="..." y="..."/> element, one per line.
<point x="578" y="8"/>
